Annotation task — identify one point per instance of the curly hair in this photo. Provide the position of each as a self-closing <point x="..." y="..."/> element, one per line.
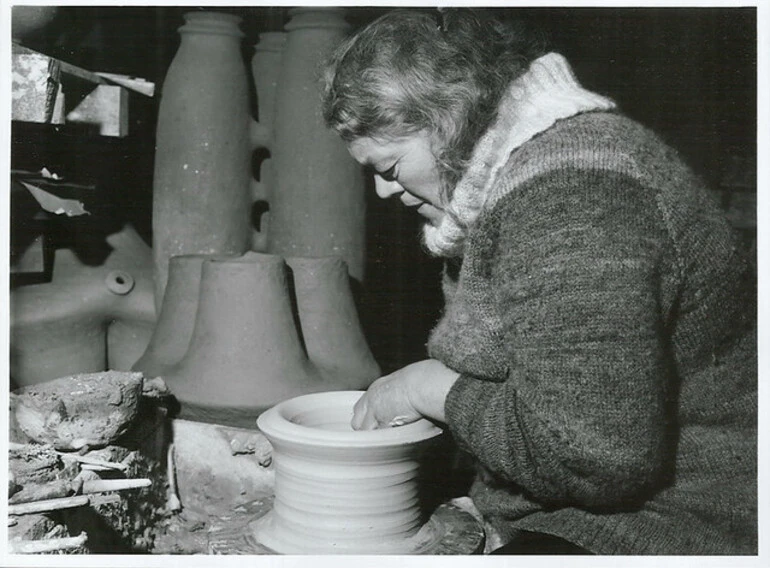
<point x="411" y="70"/>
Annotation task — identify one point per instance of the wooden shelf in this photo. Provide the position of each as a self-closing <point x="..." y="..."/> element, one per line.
<point x="50" y="91"/>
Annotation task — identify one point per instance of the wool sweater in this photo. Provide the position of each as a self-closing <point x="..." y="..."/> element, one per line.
<point x="603" y="322"/>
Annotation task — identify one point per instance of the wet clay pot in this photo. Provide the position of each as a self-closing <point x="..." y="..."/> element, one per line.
<point x="201" y="188"/>
<point x="89" y="318"/>
<point x="340" y="491"/>
<point x="250" y="345"/>
<point x="317" y="205"/>
<point x="266" y="65"/>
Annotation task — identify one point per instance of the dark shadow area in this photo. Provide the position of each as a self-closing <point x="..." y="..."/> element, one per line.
<point x="688" y="73"/>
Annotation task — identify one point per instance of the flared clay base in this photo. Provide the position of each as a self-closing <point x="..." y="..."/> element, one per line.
<point x="342" y="491"/>
<point x="452" y="530"/>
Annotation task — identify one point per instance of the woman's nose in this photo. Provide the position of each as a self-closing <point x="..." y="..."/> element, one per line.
<point x="386" y="188"/>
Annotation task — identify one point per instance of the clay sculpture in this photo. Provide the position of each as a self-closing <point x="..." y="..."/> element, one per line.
<point x="171" y="336"/>
<point x="340" y="491"/>
<point x="317" y="198"/>
<point x="250" y="346"/>
<point x="88" y="318"/>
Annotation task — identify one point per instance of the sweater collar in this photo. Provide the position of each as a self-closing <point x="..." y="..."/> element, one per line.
<point x="548" y="91"/>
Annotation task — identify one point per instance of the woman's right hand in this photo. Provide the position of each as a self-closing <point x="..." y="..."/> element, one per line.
<point x="415" y="391"/>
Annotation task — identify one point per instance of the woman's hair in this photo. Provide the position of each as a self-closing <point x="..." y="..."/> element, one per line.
<point x="412" y="70"/>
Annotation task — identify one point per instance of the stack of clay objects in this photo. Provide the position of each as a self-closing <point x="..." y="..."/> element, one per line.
<point x="237" y="334"/>
<point x="203" y="188"/>
<point x="239" y="330"/>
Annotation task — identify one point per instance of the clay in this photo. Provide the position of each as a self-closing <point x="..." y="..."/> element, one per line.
<point x="317" y="202"/>
<point x="244" y="350"/>
<point x="329" y="321"/>
<point x="171" y="336"/>
<point x="81" y="410"/>
<point x="215" y="480"/>
<point x="201" y="186"/>
<point x="266" y="65"/>
<point x="77" y="323"/>
<point x="33" y="464"/>
<point x="249" y="348"/>
<point x="338" y="490"/>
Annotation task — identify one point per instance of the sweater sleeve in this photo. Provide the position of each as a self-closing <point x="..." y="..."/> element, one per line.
<point x="582" y="418"/>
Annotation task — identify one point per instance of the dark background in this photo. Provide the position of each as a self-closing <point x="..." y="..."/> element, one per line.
<point x="689" y="73"/>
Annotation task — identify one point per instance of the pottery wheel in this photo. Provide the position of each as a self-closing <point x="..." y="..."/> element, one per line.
<point x="450" y="530"/>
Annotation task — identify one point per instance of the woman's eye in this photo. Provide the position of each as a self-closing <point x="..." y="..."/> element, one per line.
<point x="389" y="174"/>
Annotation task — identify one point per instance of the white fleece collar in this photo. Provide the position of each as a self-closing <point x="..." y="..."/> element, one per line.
<point x="548" y="91"/>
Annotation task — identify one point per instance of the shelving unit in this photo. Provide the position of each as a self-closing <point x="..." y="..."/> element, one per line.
<point x="85" y="104"/>
<point x="47" y="90"/>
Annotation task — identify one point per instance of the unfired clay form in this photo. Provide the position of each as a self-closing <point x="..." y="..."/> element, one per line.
<point x="341" y="491"/>
<point x="229" y="340"/>
<point x="317" y="199"/>
<point x="82" y="321"/>
<point x="201" y="185"/>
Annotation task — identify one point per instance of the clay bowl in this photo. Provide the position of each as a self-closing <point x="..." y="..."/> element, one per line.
<point x="318" y="425"/>
<point x="338" y="490"/>
<point x="71" y="412"/>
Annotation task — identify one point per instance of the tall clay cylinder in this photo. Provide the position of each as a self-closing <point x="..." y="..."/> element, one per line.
<point x="266" y="65"/>
<point x="201" y="189"/>
<point x="317" y="206"/>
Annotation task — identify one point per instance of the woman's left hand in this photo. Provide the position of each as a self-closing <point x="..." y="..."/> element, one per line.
<point x="418" y="390"/>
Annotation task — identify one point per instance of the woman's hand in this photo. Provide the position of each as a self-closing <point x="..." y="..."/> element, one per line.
<point x="418" y="390"/>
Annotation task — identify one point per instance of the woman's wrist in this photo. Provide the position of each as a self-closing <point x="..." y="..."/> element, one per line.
<point x="431" y="387"/>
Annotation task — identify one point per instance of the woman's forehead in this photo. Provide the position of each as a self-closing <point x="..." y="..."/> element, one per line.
<point x="379" y="148"/>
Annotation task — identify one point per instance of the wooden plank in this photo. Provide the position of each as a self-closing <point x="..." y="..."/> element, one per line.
<point x="67" y="68"/>
<point x="35" y="85"/>
<point x="41" y="85"/>
<point x="106" y="106"/>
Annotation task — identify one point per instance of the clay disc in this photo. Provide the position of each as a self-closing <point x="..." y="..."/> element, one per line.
<point x="456" y="532"/>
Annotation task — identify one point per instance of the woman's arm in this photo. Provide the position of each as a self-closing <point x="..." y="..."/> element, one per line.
<point x="585" y="414"/>
<point x="418" y="390"/>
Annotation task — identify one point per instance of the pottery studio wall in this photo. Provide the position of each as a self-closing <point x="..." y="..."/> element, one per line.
<point x="688" y="72"/>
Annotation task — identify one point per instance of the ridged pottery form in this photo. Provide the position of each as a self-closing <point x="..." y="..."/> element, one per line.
<point x="266" y="65"/>
<point x="340" y="491"/>
<point x="201" y="189"/>
<point x="317" y="204"/>
<point x="248" y="347"/>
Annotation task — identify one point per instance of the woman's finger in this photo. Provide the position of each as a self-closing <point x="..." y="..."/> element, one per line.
<point x="359" y="413"/>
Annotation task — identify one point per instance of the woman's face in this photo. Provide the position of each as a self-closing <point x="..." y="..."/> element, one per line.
<point x="404" y="168"/>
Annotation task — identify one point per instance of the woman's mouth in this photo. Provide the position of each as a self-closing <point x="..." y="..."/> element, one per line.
<point x="412" y="203"/>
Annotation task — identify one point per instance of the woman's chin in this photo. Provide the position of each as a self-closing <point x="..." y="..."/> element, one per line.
<point x="431" y="214"/>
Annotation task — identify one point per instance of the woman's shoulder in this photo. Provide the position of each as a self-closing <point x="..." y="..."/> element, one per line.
<point x="591" y="140"/>
<point x="605" y="141"/>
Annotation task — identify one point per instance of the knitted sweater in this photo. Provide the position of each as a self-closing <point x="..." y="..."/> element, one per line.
<point x="603" y="324"/>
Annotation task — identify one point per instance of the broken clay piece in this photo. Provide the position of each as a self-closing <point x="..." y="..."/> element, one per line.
<point x="72" y="412"/>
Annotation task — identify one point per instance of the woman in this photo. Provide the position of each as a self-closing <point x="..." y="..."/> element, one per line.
<point x="597" y="350"/>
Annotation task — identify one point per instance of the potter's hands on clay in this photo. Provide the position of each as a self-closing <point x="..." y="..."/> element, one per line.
<point x="413" y="392"/>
